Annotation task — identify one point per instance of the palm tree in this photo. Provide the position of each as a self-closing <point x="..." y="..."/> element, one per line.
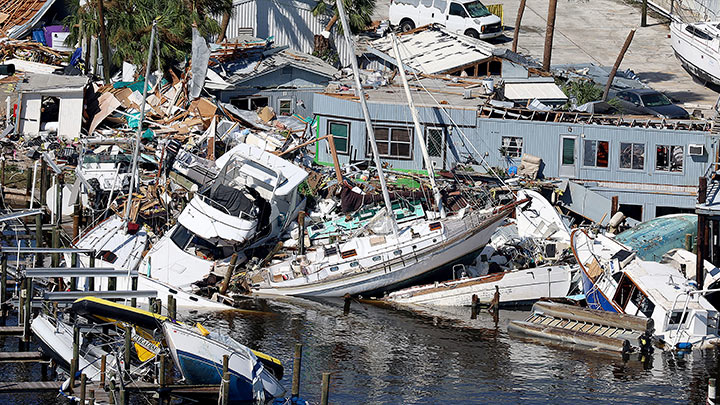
<point x="359" y="17"/>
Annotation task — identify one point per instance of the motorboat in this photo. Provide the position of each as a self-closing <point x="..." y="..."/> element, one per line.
<point x="253" y="199"/>
<point x="198" y="354"/>
<point x="696" y="45"/>
<point x="614" y="279"/>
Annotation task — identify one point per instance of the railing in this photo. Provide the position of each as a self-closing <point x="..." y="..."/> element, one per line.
<point x="683" y="324"/>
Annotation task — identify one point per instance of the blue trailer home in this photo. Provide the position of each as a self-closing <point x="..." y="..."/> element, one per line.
<point x="652" y="166"/>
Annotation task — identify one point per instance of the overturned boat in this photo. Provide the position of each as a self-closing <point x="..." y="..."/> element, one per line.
<point x="615" y="280"/>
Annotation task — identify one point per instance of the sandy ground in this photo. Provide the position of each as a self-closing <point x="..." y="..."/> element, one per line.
<point x="594" y="31"/>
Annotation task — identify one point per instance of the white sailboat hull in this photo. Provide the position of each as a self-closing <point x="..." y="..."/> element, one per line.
<point x="699" y="55"/>
<point x="383" y="278"/>
<point x="515" y="287"/>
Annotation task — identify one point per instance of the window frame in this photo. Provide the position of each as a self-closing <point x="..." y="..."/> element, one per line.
<point x="595" y="166"/>
<point x="249" y="100"/>
<point x="347" y="124"/>
<point x="632" y="147"/>
<point x="391" y="128"/>
<point x="655" y="162"/>
<point x="462" y="7"/>
<point x="520" y="150"/>
<point x="280" y="101"/>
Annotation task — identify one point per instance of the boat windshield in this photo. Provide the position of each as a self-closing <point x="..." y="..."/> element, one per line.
<point x="655" y="100"/>
<point x="477" y="9"/>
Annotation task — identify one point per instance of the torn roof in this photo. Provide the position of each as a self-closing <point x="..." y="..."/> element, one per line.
<point x="434" y="50"/>
<point x="18" y="17"/>
<point x="260" y="62"/>
<point x="50" y="83"/>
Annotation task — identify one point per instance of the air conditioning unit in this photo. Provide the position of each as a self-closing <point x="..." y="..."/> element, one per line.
<point x="695" y="149"/>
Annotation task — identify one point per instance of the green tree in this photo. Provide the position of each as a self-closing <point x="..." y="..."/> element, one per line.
<point x="359" y="17"/>
<point x="128" y="24"/>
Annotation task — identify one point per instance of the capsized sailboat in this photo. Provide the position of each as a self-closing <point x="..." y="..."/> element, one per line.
<point x="383" y="256"/>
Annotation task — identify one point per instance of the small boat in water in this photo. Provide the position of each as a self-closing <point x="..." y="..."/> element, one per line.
<point x="516" y="288"/>
<point x="198" y="355"/>
<point x="615" y="280"/>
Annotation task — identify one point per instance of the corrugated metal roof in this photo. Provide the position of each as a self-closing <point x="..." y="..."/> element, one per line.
<point x="435" y="50"/>
<point x="17" y="17"/>
<point x="257" y="63"/>
<point x="533" y="90"/>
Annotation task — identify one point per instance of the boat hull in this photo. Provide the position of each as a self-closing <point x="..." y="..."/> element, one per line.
<point x="699" y="56"/>
<point x="517" y="288"/>
<point x="200" y="361"/>
<point x="382" y="279"/>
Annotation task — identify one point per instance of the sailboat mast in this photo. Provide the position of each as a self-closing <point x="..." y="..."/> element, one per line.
<point x="418" y="129"/>
<point x="366" y="114"/>
<point x="128" y="204"/>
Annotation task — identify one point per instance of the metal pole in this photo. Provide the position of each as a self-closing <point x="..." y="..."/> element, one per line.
<point x="366" y="114"/>
<point x="3" y="285"/>
<point x="28" y="310"/>
<point x="140" y="124"/>
<point x="619" y="59"/>
<point x="418" y="128"/>
<point x="75" y="354"/>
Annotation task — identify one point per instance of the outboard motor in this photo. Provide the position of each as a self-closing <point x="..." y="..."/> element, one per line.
<point x="171" y="151"/>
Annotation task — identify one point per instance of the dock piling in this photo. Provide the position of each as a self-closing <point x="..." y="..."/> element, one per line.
<point x="83" y="387"/>
<point x="172" y="307"/>
<point x="228" y="274"/>
<point x="711" y="392"/>
<point x="474" y="307"/>
<point x="103" y="367"/>
<point x="325" y="389"/>
<point x="226" y="380"/>
<point x="297" y="360"/>
<point x="3" y="286"/>
<point x="91" y="281"/>
<point x="346" y="306"/>
<point x="126" y="347"/>
<point x="28" y="310"/>
<point x="74" y="280"/>
<point x="74" y="362"/>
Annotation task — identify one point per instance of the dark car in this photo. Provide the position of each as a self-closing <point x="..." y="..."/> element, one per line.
<point x="648" y="101"/>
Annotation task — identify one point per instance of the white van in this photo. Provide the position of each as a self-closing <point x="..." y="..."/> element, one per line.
<point x="471" y="18"/>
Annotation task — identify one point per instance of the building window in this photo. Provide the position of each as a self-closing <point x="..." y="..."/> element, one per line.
<point x="568" y="151"/>
<point x="392" y="142"/>
<point x="341" y="135"/>
<point x="285" y="107"/>
<point x="632" y="156"/>
<point x="511" y="146"/>
<point x="669" y="158"/>
<point x="596" y="153"/>
<point x="250" y="103"/>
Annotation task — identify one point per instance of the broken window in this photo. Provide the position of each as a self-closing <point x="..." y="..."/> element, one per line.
<point x="669" y="158"/>
<point x="632" y="156"/>
<point x="341" y="135"/>
<point x="596" y="153"/>
<point x="393" y="142"/>
<point x="434" y="139"/>
<point x="633" y="211"/>
<point x="511" y="146"/>
<point x="250" y="103"/>
<point x="50" y="111"/>
<point x="285" y="107"/>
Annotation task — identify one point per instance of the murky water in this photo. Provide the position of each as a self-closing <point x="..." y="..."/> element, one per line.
<point x="382" y="355"/>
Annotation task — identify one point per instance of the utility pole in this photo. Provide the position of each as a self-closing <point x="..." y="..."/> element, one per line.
<point x="549" y="32"/>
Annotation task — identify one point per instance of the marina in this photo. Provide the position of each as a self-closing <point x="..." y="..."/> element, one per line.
<point x="392" y="201"/>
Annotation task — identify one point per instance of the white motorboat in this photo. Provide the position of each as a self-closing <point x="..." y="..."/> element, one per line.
<point x="696" y="45"/>
<point x="198" y="355"/>
<point x="516" y="288"/>
<point x="615" y="280"/>
<point x="117" y="248"/>
<point x="253" y="199"/>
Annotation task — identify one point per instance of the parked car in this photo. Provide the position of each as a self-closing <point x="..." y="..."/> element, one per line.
<point x="649" y="101"/>
<point x="470" y="18"/>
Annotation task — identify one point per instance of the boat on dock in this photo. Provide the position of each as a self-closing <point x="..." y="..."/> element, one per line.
<point x="614" y="279"/>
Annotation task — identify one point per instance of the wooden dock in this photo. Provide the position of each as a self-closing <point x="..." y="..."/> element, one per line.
<point x="11" y="330"/>
<point x="21" y="357"/>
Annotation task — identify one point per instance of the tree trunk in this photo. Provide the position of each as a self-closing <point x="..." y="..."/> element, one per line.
<point x="322" y="44"/>
<point x="223" y="26"/>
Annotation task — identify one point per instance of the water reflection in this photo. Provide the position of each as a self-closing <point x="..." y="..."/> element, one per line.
<point x="381" y="354"/>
